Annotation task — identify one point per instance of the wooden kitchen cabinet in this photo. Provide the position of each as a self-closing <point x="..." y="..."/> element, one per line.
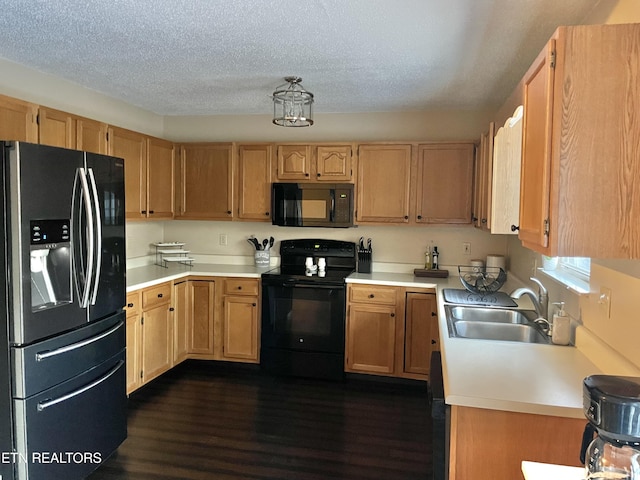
<point x="134" y="341"/>
<point x="384" y="180"/>
<point x="314" y="162"/>
<point x="18" y="120"/>
<point x="481" y="216"/>
<point x="157" y="331"/>
<point x="201" y="311"/>
<point x="390" y="330"/>
<point x="132" y="147"/>
<point x="240" y="321"/>
<point x="491" y="444"/>
<point x="444" y="186"/>
<point x="254" y="166"/>
<point x="420" y="332"/>
<point x="181" y="316"/>
<point x="160" y="179"/>
<point x="205" y="182"/>
<point x="579" y="194"/>
<point x="62" y="129"/>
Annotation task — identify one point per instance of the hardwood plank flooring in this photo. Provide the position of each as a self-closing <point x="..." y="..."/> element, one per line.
<point x="204" y="421"/>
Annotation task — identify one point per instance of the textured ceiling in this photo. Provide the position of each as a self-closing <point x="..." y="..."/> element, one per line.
<point x="208" y="57"/>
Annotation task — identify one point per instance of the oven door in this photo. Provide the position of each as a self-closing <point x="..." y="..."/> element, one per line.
<point x="306" y="317"/>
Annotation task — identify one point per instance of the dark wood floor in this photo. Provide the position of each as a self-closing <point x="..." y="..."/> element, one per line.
<point x="206" y="422"/>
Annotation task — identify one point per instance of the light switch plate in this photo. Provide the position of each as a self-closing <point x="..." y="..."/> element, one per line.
<point x="605" y="302"/>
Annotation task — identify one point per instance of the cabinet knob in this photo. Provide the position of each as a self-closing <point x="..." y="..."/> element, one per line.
<point x="371" y="295"/>
<point x="433" y="342"/>
<point x="317" y="174"/>
<point x="393" y="314"/>
<point x="434" y="314"/>
<point x="515" y="228"/>
<point x="144" y="212"/>
<point x="159" y="295"/>
<point x="419" y="217"/>
<point x="171" y="309"/>
<point x="129" y="305"/>
<point x="239" y="287"/>
<point x="228" y="212"/>
<point x="253" y="304"/>
<point x="306" y="174"/>
<point x="484" y="221"/>
<point x="266" y="213"/>
<point x="406" y="217"/>
<point x="474" y="218"/>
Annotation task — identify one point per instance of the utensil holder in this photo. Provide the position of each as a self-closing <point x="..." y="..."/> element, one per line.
<point x="262" y="258"/>
<point x="364" y="261"/>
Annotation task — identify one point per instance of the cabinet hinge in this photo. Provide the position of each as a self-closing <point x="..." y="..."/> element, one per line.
<point x="141" y="374"/>
<point x="546" y="227"/>
<point x="552" y="59"/>
<point x="141" y="320"/>
<point x="107" y="136"/>
<point x="37" y="119"/>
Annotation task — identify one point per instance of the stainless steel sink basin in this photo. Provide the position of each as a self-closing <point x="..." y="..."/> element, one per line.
<point x="493" y="315"/>
<point x="488" y="323"/>
<point x="511" y="332"/>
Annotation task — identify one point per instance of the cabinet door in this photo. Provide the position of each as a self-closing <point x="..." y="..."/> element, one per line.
<point x="157" y="342"/>
<point x="160" y="194"/>
<point x="384" y="180"/>
<point x="18" y="120"/>
<point x="371" y="338"/>
<point x="419" y="321"/>
<point x="240" y="328"/>
<point x="254" y="182"/>
<point x="56" y="128"/>
<point x="202" y="301"/>
<point x="333" y="163"/>
<point x="535" y="176"/>
<point x="132" y="147"/>
<point x="482" y="179"/>
<point x="181" y="317"/>
<point x="294" y="162"/>
<point x="206" y="183"/>
<point x="445" y="183"/>
<point x="134" y="339"/>
<point x="91" y="136"/>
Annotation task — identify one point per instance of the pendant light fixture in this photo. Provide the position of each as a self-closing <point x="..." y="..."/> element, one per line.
<point x="292" y="104"/>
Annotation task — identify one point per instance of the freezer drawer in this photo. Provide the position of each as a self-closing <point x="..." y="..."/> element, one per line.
<point x="67" y="431"/>
<point x="44" y="364"/>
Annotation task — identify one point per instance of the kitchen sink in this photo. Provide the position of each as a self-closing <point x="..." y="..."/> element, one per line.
<point x="487" y="323"/>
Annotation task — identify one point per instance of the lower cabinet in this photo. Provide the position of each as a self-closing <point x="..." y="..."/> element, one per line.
<point x="240" y="325"/>
<point x="134" y="342"/>
<point x="157" y="332"/>
<point x="390" y="330"/>
<point x="200" y="317"/>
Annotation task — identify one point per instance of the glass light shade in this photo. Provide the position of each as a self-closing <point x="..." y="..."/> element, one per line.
<point x="292" y="104"/>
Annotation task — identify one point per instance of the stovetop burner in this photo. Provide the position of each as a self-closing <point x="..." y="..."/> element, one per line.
<point x="464" y="297"/>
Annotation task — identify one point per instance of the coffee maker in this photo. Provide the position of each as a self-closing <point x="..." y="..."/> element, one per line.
<point x="611" y="439"/>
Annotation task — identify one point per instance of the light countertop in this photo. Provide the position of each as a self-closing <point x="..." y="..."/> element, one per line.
<point x="546" y="471"/>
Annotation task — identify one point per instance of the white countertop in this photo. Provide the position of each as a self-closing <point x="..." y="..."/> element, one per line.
<point x="149" y="275"/>
<point x="547" y="471"/>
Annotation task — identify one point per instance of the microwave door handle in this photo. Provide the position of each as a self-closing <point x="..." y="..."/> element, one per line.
<point x="97" y="239"/>
<point x="90" y="233"/>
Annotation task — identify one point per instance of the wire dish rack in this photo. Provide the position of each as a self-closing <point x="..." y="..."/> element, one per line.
<point x="482" y="280"/>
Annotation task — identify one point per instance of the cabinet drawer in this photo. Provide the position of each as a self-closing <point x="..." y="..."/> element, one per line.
<point x="241" y="286"/>
<point x="156" y="295"/>
<point x="133" y="303"/>
<point x="373" y="294"/>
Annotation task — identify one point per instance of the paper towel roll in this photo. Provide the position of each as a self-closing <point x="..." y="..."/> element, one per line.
<point x="497" y="261"/>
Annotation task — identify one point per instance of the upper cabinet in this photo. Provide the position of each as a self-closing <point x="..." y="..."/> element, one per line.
<point x="160" y="179"/>
<point x="18" y="120"/>
<point x="444" y="183"/>
<point x="580" y="194"/>
<point x="317" y="162"/>
<point x="254" y="167"/>
<point x="384" y="180"/>
<point x="132" y="147"/>
<point x="483" y="170"/>
<point x="205" y="181"/>
<point x="62" y="129"/>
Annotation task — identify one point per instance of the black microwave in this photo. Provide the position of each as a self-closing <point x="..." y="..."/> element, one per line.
<point x="312" y="205"/>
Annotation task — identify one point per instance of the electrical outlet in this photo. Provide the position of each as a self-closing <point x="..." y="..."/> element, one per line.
<point x="604" y="300"/>
<point x="222" y="239"/>
<point x="466" y="248"/>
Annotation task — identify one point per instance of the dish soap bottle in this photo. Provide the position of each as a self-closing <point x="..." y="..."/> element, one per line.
<point x="434" y="258"/>
<point x="427" y="259"/>
<point x="561" y="326"/>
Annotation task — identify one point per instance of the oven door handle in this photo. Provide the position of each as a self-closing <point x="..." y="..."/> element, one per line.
<point x="311" y="285"/>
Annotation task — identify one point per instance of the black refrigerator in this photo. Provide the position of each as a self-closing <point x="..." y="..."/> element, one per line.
<point x="62" y="341"/>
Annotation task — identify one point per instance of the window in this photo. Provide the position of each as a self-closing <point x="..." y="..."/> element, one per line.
<point x="578" y="266"/>
<point x="573" y="272"/>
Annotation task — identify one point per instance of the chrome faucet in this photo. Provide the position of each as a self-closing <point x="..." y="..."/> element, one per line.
<point x="540" y="300"/>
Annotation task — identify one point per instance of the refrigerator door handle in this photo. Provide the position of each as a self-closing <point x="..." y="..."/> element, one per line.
<point x="74" y="346"/>
<point x="84" y="290"/>
<point x="96" y="245"/>
<point x="51" y="402"/>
